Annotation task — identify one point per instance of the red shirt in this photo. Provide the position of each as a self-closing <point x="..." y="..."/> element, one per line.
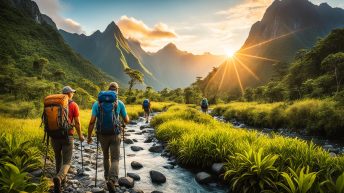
<point x="73" y="109"/>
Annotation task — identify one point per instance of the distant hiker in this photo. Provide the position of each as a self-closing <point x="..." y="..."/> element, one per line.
<point x="146" y="106"/>
<point x="106" y="112"/>
<point x="60" y="115"/>
<point x="204" y="105"/>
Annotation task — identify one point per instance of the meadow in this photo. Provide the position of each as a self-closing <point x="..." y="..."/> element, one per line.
<point x="254" y="162"/>
<point x="317" y="117"/>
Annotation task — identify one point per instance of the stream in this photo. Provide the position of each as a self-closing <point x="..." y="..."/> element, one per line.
<point x="178" y="179"/>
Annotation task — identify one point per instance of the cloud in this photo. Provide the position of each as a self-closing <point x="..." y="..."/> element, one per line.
<point x="53" y="8"/>
<point x="149" y="37"/>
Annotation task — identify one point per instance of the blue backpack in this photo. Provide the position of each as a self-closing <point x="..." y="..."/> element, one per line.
<point x="108" y="117"/>
<point x="204" y="103"/>
<point x="145" y="104"/>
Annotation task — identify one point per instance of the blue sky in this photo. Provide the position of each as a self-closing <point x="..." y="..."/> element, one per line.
<point x="215" y="26"/>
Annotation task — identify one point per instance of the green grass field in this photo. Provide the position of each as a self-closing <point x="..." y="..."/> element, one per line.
<point x="253" y="160"/>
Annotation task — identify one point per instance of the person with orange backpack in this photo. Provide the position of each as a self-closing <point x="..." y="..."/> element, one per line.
<point x="60" y="115"/>
<point x="105" y="115"/>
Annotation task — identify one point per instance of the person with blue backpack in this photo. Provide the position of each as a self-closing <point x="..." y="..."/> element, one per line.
<point x="204" y="105"/>
<point x="105" y="114"/>
<point x="146" y="106"/>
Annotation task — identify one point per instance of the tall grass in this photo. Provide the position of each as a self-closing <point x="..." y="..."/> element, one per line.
<point x="254" y="161"/>
<point x="319" y="117"/>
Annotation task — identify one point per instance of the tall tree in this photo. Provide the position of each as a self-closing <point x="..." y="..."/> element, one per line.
<point x="135" y="77"/>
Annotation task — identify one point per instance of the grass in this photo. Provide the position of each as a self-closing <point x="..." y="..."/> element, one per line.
<point x="254" y="161"/>
<point x="318" y="117"/>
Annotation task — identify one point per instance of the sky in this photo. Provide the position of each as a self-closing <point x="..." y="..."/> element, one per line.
<point x="196" y="26"/>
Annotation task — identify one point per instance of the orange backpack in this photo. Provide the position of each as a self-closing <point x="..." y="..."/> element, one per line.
<point x="55" y="115"/>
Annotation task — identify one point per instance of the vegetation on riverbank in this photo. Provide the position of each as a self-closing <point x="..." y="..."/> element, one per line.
<point x="254" y="161"/>
<point x="318" y="117"/>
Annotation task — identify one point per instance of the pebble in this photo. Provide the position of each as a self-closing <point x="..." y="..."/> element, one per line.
<point x="128" y="141"/>
<point x="134" y="176"/>
<point x="218" y="168"/>
<point x="156" y="149"/>
<point x="203" y="177"/>
<point x="126" y="181"/>
<point x="136" y="148"/>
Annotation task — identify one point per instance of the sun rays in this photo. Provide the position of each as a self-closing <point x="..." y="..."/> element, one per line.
<point x="236" y="66"/>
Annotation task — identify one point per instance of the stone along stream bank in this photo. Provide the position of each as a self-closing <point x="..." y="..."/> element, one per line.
<point x="150" y="167"/>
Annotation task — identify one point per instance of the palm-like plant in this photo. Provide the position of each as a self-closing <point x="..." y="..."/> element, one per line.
<point x="251" y="171"/>
<point x="14" y="181"/>
<point x="299" y="181"/>
<point x="333" y="186"/>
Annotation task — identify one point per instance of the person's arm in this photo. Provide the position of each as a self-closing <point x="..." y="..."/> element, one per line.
<point x="126" y="119"/>
<point x="90" y="129"/>
<point x="78" y="128"/>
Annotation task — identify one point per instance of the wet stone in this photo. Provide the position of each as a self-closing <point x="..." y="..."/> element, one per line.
<point x="168" y="166"/>
<point x="132" y="123"/>
<point x="156" y="149"/>
<point x="136" y="190"/>
<point x="134" y="176"/>
<point x="157" y="177"/>
<point x="97" y="190"/>
<point x="156" y="191"/>
<point x="131" y="130"/>
<point x="218" y="168"/>
<point x="203" y="177"/>
<point x="37" y="173"/>
<point x="136" y="148"/>
<point x="135" y="140"/>
<point x="148" y="140"/>
<point x="126" y="182"/>
<point x="136" y="165"/>
<point x="128" y="141"/>
<point x="138" y="133"/>
<point x="127" y="134"/>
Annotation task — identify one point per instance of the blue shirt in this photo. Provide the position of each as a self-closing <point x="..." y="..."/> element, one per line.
<point x="120" y="109"/>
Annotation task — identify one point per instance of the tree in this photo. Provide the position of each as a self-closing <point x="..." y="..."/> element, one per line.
<point x="136" y="77"/>
<point x="335" y="64"/>
<point x="38" y="65"/>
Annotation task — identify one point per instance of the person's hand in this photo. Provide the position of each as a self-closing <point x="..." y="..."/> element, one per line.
<point x="81" y="138"/>
<point x="89" y="139"/>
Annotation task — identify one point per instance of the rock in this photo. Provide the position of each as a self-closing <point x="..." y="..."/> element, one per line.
<point x="87" y="169"/>
<point x="132" y="123"/>
<point x="136" y="148"/>
<point x="157" y="177"/>
<point x="138" y="133"/>
<point x="156" y="191"/>
<point x="72" y="171"/>
<point x="88" y="150"/>
<point x="127" y="134"/>
<point x="128" y="141"/>
<point x="333" y="154"/>
<point x="97" y="190"/>
<point x="156" y="149"/>
<point x="136" y="165"/>
<point x="203" y="177"/>
<point x="130" y="130"/>
<point x="168" y="166"/>
<point x="136" y="190"/>
<point x="242" y="126"/>
<point x="218" y="168"/>
<point x="148" y="140"/>
<point x="37" y="173"/>
<point x="126" y="182"/>
<point x="135" y="140"/>
<point x="327" y="146"/>
<point x="134" y="176"/>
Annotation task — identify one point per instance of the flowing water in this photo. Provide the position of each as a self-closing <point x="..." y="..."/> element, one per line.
<point x="178" y="179"/>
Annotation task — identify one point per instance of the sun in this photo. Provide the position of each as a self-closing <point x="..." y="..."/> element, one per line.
<point x="230" y="53"/>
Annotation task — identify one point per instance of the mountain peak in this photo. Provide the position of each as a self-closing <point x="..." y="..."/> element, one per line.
<point x="170" y="46"/>
<point x="111" y="27"/>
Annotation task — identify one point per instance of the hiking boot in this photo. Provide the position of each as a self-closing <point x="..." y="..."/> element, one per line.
<point x="57" y="185"/>
<point x="110" y="186"/>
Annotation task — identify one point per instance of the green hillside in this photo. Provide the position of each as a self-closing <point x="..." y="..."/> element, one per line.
<point x="35" y="61"/>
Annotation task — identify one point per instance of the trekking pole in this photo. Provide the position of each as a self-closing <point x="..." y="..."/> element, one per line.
<point x="46" y="153"/>
<point x="82" y="160"/>
<point x="95" y="181"/>
<point x="125" y="167"/>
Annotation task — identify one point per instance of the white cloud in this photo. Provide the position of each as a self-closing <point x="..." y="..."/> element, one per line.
<point x="53" y="8"/>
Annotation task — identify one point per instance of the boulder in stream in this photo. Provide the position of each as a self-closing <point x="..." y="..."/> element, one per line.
<point x="136" y="148"/>
<point x="134" y="176"/>
<point x="126" y="182"/>
<point x="128" y="141"/>
<point x="156" y="149"/>
<point x="136" y="165"/>
<point x="218" y="168"/>
<point x="97" y="190"/>
<point x="157" y="177"/>
<point x="203" y="178"/>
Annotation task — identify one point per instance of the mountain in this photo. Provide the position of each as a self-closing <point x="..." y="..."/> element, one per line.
<point x="35" y="61"/>
<point x="286" y="27"/>
<point x="109" y="51"/>
<point x="173" y="67"/>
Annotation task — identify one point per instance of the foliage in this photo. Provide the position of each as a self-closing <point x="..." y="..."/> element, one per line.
<point x="299" y="181"/>
<point x="135" y="77"/>
<point x="333" y="186"/>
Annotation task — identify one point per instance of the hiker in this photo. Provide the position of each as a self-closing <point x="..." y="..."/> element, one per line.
<point x="204" y="105"/>
<point x="146" y="106"/>
<point x="106" y="112"/>
<point x="60" y="129"/>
